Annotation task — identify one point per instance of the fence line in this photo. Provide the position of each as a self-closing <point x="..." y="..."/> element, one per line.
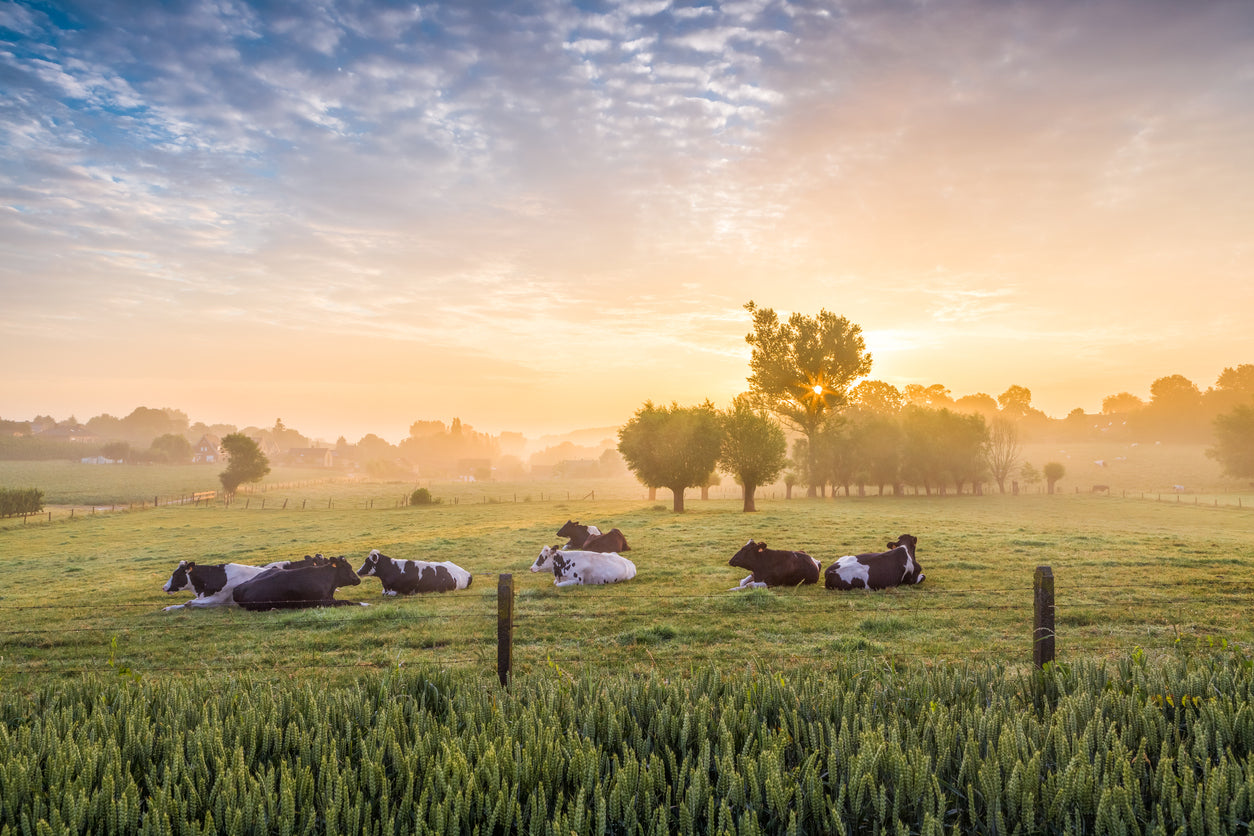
<point x="474" y="609"/>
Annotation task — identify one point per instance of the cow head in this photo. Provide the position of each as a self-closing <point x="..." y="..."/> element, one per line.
<point x="542" y="562"/>
<point x="344" y="574"/>
<point x="371" y="566"/>
<point x="181" y="579"/>
<point x="571" y="529"/>
<point x="907" y="540"/>
<point x="748" y="556"/>
<point x="914" y="572"/>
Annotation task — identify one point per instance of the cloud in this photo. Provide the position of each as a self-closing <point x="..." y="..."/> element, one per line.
<point x="471" y="175"/>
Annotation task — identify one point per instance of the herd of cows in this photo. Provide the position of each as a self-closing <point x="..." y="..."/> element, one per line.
<point x="588" y="557"/>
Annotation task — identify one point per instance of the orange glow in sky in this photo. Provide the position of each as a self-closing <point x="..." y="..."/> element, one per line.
<point x="536" y="218"/>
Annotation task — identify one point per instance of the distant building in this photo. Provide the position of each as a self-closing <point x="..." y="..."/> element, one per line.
<point x="208" y="450"/>
<point x="70" y="432"/>
<point x="480" y="470"/>
<point x="311" y="457"/>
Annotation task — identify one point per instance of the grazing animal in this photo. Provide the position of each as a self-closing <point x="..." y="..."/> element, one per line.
<point x="878" y="570"/>
<point x="212" y="584"/>
<point x="1101" y="489"/>
<point x="406" y="577"/>
<point x="774" y="567"/>
<point x="573" y="567"/>
<point x="611" y="541"/>
<point x="307" y="586"/>
<point x="577" y="534"/>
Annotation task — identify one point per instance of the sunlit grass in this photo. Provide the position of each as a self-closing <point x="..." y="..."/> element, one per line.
<point x="1128" y="573"/>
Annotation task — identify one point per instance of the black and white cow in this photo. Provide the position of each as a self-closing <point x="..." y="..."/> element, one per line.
<point x="212" y="584"/>
<point x="406" y="577"/>
<point x="307" y="586"/>
<point x="574" y="567"/>
<point x="877" y="570"/>
<point x="774" y="567"/>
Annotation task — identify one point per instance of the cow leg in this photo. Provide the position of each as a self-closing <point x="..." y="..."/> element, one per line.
<point x="571" y="582"/>
<point x="173" y="607"/>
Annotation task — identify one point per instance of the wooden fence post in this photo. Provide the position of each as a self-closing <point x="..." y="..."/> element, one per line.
<point x="1043" y="616"/>
<point x="504" y="628"/>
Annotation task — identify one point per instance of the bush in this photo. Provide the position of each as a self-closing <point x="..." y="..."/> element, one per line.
<point x="422" y="496"/>
<point x="14" y="501"/>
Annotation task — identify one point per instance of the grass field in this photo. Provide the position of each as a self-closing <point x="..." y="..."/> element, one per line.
<point x="85" y="594"/>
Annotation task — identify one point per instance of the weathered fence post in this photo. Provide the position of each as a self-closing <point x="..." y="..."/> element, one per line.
<point x="504" y="627"/>
<point x="1043" y="616"/>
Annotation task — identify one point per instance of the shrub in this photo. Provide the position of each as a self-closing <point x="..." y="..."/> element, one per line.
<point x="422" y="496"/>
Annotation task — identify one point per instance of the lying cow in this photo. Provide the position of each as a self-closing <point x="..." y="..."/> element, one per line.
<point x="212" y="584"/>
<point x="773" y="567"/>
<point x="307" y="586"/>
<point x="572" y="567"/>
<point x="896" y="567"/>
<point x="611" y="541"/>
<point x="406" y="577"/>
<point x="576" y="535"/>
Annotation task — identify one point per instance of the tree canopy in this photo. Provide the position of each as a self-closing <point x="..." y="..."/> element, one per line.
<point x="802" y="369"/>
<point x="672" y="447"/>
<point x="246" y="463"/>
<point x="1234" y="442"/>
<point x="754" y="449"/>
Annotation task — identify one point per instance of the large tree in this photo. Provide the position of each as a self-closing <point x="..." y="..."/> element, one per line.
<point x="672" y="447"/>
<point x="245" y="463"/>
<point x="802" y="369"/>
<point x="1234" y="442"/>
<point x="754" y="449"/>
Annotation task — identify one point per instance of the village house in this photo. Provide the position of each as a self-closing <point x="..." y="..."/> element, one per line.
<point x="208" y="450"/>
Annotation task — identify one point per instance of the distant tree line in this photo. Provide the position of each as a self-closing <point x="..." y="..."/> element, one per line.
<point x="871" y="435"/>
<point x="874" y="435"/>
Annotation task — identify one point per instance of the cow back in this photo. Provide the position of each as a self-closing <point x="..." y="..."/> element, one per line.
<point x="776" y="567"/>
<point x="611" y="541"/>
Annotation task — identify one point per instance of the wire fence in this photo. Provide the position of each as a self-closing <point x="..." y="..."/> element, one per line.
<point x="602" y="627"/>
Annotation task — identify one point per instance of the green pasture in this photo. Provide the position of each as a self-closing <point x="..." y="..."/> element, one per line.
<point x="84" y="594"/>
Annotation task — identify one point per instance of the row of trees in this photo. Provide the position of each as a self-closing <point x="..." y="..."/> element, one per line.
<point x="802" y="372"/>
<point x="15" y="501"/>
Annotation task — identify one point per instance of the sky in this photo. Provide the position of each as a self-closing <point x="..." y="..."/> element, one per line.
<point x="536" y="216"/>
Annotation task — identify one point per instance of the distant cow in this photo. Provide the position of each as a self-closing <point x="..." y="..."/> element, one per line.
<point x="576" y="535"/>
<point x="307" y="586"/>
<point x="774" y="567"/>
<point x="879" y="570"/>
<point x="212" y="584"/>
<point x="572" y="567"/>
<point x="1101" y="489"/>
<point x="406" y="577"/>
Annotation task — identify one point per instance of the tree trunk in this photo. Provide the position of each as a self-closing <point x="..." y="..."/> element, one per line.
<point x="705" y="491"/>
<point x="750" y="490"/>
<point x="679" y="499"/>
<point x="653" y="494"/>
